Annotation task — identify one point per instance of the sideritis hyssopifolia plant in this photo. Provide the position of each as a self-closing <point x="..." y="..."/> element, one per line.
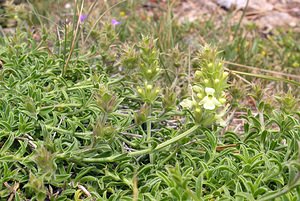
<point x="207" y="101"/>
<point x="149" y="70"/>
<point x="142" y="61"/>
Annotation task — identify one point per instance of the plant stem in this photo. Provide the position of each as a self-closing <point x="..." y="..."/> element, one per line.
<point x="61" y="106"/>
<point x="267" y="77"/>
<point x="64" y="70"/>
<point x="74" y="88"/>
<point x="100" y="17"/>
<point x="149" y="136"/>
<point x="138" y="153"/>
<point x="83" y="135"/>
<point x="240" y="21"/>
<point x="149" y="140"/>
<point x="261" y="119"/>
<point x="283" y="191"/>
<point x="177" y="138"/>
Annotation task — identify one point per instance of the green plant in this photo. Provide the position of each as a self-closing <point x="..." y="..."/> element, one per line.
<point x="87" y="116"/>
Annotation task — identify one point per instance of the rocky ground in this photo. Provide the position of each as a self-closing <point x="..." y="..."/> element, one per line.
<point x="266" y="14"/>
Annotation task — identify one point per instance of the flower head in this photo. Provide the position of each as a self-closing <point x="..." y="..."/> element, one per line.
<point x="114" y="22"/>
<point x="122" y="14"/>
<point x="68" y="6"/>
<point x="210" y="102"/>
<point x="82" y="18"/>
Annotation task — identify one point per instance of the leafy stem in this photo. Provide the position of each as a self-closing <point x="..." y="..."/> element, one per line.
<point x="149" y="135"/>
<point x="285" y="190"/>
<point x="138" y="153"/>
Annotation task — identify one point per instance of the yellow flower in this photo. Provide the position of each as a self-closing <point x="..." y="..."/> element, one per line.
<point x="210" y="102"/>
<point x="122" y="14"/>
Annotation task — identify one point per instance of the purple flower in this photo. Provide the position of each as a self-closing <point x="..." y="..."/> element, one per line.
<point x="114" y="22"/>
<point x="82" y="18"/>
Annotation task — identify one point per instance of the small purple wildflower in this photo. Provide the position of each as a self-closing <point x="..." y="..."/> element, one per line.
<point x="82" y="18"/>
<point x="114" y="22"/>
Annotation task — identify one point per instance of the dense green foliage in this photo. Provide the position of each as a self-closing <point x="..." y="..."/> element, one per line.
<point x="108" y="113"/>
<point x="57" y="139"/>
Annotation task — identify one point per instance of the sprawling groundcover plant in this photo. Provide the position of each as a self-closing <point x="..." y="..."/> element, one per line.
<point x="88" y="135"/>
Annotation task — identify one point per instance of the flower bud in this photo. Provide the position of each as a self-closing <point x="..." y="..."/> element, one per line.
<point x="222" y="100"/>
<point x="36" y="184"/>
<point x="44" y="160"/>
<point x="198" y="74"/>
<point x="141" y="115"/>
<point x="225" y="74"/>
<point x="210" y="65"/>
<point x="220" y="64"/>
<point x="198" y="110"/>
<point x="296" y="64"/>
<point x="206" y="81"/>
<point x="199" y="95"/>
<point x="139" y="90"/>
<point x="149" y="71"/>
<point x="217" y="81"/>
<point x="169" y="99"/>
<point x="149" y="87"/>
<point x="122" y="14"/>
<point x="197" y="89"/>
